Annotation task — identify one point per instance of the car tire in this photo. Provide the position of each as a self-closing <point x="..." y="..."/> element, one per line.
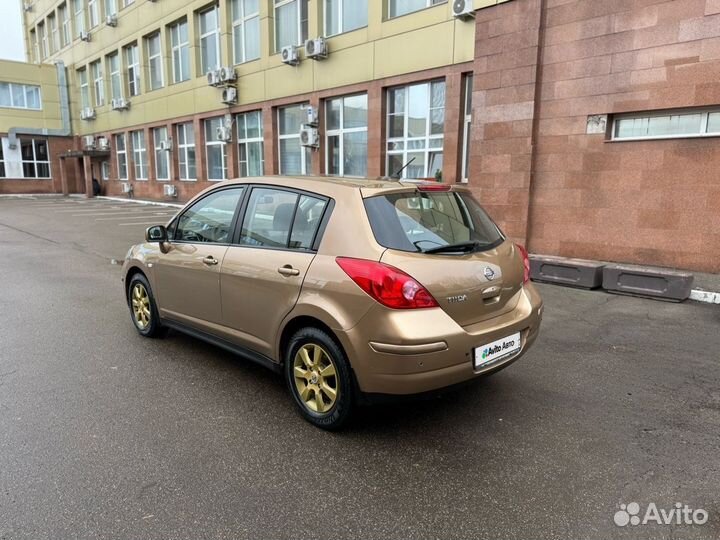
<point x="143" y="308"/>
<point x="322" y="387"/>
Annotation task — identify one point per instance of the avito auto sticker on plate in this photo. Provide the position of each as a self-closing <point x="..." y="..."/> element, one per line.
<point x="492" y="352"/>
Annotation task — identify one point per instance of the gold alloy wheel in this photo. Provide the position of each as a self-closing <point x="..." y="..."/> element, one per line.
<point x="315" y="378"/>
<point x="141" y="306"/>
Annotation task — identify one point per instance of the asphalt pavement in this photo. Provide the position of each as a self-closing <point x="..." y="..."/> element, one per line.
<point x="104" y="434"/>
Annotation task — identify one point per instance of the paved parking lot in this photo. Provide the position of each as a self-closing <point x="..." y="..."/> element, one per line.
<point x="106" y="435"/>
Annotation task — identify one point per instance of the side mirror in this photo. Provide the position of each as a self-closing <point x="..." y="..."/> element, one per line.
<point x="156" y="233"/>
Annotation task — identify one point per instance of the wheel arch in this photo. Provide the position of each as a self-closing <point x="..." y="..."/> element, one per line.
<point x="304" y="321"/>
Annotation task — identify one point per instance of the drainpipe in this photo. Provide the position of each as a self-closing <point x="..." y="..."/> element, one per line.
<point x="65" y="130"/>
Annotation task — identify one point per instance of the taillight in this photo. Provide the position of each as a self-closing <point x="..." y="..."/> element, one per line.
<point x="526" y="262"/>
<point x="386" y="284"/>
<point x="434" y="187"/>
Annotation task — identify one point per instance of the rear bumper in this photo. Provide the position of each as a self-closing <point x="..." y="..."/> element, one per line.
<point x="418" y="351"/>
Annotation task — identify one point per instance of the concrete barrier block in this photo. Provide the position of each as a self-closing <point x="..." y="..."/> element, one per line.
<point x="647" y="282"/>
<point x="570" y="272"/>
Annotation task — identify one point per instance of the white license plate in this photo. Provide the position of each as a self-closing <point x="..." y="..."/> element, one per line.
<point x="492" y="352"/>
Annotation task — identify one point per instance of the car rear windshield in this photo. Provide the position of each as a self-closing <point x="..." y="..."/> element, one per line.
<point x="426" y="221"/>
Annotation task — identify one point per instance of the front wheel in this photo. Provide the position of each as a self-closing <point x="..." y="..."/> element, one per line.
<point x="143" y="307"/>
<point x="319" y="378"/>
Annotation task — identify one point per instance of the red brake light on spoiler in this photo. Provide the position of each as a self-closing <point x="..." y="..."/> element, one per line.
<point x="434" y="187"/>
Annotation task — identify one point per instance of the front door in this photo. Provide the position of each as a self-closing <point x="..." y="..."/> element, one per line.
<point x="188" y="275"/>
<point x="262" y="276"/>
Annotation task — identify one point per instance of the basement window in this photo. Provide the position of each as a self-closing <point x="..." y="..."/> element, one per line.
<point x="667" y="125"/>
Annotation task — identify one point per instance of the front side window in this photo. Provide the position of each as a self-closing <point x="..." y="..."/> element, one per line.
<point x="209" y="40"/>
<point x="291" y="23"/>
<point x="668" y="125"/>
<point x="35" y="158"/>
<point x="345" y="15"/>
<point x="98" y="83"/>
<point x="467" y="124"/>
<point x="216" y="150"/>
<point x="210" y="219"/>
<point x="155" y="62"/>
<point x="94" y="13"/>
<point x="246" y="30"/>
<point x="132" y="61"/>
<point x="403" y="7"/>
<point x="84" y="88"/>
<point x="139" y="154"/>
<point x="113" y="61"/>
<point x="180" y="51"/>
<point x="346" y="135"/>
<point x="162" y="157"/>
<point x="294" y="159"/>
<point x="79" y="10"/>
<point x="186" y="151"/>
<point x="415" y="130"/>
<point x="250" y="143"/>
<point x="121" y="153"/>
<point x="20" y="96"/>
<point x="65" y="33"/>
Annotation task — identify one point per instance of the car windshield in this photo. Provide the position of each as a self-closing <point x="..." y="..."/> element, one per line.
<point x="426" y="222"/>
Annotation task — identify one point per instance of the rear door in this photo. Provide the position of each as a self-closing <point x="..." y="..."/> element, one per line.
<point x="478" y="280"/>
<point x="263" y="271"/>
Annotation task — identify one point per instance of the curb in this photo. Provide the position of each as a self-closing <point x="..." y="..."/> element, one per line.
<point x="139" y="201"/>
<point x="706" y="297"/>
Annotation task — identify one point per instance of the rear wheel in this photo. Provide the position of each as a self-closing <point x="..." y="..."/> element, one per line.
<point x="319" y="378"/>
<point x="143" y="307"/>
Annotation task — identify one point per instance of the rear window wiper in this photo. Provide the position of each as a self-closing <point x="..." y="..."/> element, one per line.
<point x="461" y="246"/>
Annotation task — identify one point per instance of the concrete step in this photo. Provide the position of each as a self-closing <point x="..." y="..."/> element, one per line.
<point x="571" y="272"/>
<point x="648" y="282"/>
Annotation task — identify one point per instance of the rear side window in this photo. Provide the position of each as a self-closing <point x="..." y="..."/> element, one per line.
<point x="421" y="221"/>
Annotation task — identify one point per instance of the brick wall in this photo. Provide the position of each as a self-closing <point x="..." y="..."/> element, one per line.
<point x="651" y="202"/>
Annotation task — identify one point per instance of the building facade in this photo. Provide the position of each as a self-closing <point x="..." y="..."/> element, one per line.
<point x="587" y="129"/>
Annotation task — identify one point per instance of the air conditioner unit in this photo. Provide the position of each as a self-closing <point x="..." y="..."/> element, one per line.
<point x="290" y="55"/>
<point x="88" y="142"/>
<point x="316" y="49"/>
<point x="87" y="113"/>
<point x="213" y="77"/>
<point x="223" y="133"/>
<point x="119" y="104"/>
<point x="166" y="145"/>
<point x="27" y="6"/>
<point x="102" y="144"/>
<point x="169" y="190"/>
<point x="227" y="74"/>
<point x="310" y="137"/>
<point x="127" y="187"/>
<point x="111" y="20"/>
<point x="312" y="116"/>
<point x="463" y="9"/>
<point x="229" y="96"/>
<point x="85" y="36"/>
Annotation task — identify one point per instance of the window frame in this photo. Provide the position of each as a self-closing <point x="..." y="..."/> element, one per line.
<point x="115" y="75"/>
<point x="342" y="131"/>
<point x="242" y="22"/>
<point x="44" y="45"/>
<point x="65" y="25"/>
<point x="11" y="94"/>
<point x="123" y="153"/>
<point x="98" y="77"/>
<point x="340" y="13"/>
<point x="212" y="143"/>
<point x="155" y="57"/>
<point x="705" y="113"/>
<point x="84" y="86"/>
<point x="35" y="161"/>
<point x="111" y="7"/>
<point x="183" y="147"/>
<point x="133" y="82"/>
<point x="304" y="151"/>
<point x="3" y="171"/>
<point x="428" y="4"/>
<point x="161" y="155"/>
<point x="178" y="48"/>
<point x="233" y="223"/>
<point x="54" y="38"/>
<point x="201" y="36"/>
<point x="302" y="30"/>
<point x="140" y="151"/>
<point x="468" y="79"/>
<point x="242" y="139"/>
<point x="93" y="13"/>
<point x="79" y="17"/>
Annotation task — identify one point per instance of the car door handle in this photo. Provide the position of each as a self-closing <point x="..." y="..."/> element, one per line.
<point x="288" y="271"/>
<point x="210" y="260"/>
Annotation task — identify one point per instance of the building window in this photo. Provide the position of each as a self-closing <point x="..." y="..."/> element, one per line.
<point x="113" y="61"/>
<point x="20" y="96"/>
<point x="162" y="157"/>
<point x="180" y="51"/>
<point x="110" y="7"/>
<point x="209" y="39"/>
<point x="121" y="153"/>
<point x="94" y="13"/>
<point x="105" y="170"/>
<point x="2" y="163"/>
<point x="246" y="30"/>
<point x="79" y="10"/>
<point x="294" y="159"/>
<point x="155" y="60"/>
<point x="667" y="125"/>
<point x="403" y="7"/>
<point x="35" y="158"/>
<point x="467" y="124"/>
<point x="35" y="47"/>
<point x="291" y="23"/>
<point x="54" y="35"/>
<point x="65" y="34"/>
<point x="216" y="152"/>
<point x="250" y="143"/>
<point x="43" y="41"/>
<point x="84" y="88"/>
<point x="96" y="72"/>
<point x="133" y="69"/>
<point x="126" y="3"/>
<point x="415" y="129"/>
<point x="139" y="154"/>
<point x="345" y="15"/>
<point x="186" y="151"/>
<point x="346" y="135"/>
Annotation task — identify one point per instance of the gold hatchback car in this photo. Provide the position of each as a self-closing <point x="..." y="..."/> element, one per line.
<point x="351" y="288"/>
